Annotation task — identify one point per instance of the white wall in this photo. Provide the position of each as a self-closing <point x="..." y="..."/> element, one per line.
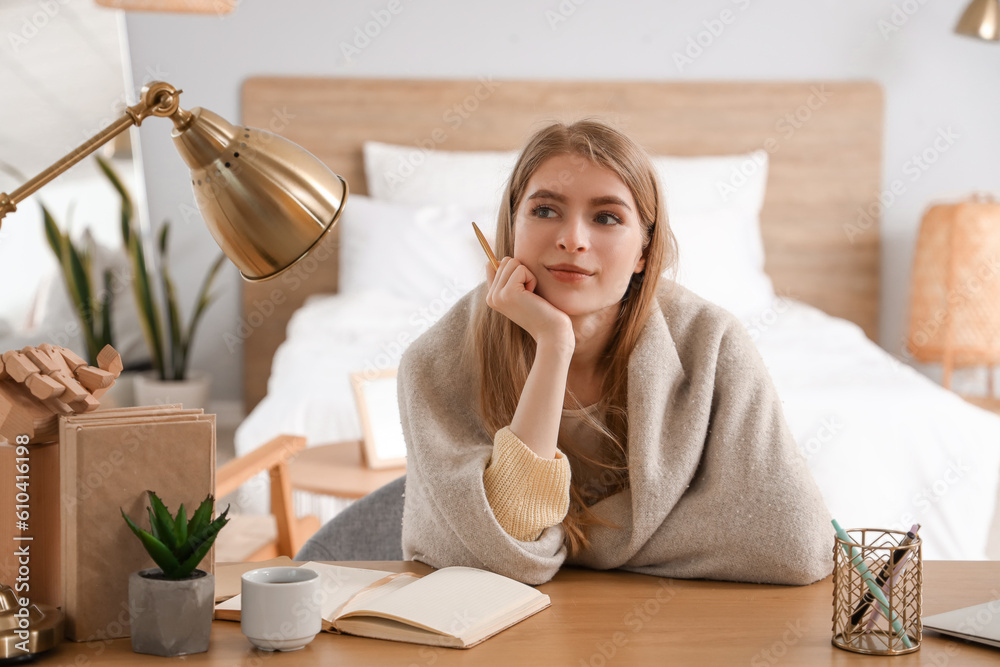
<point x="62" y="80"/>
<point x="933" y="79"/>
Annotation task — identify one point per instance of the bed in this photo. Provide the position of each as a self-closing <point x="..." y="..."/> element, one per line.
<point x="773" y="189"/>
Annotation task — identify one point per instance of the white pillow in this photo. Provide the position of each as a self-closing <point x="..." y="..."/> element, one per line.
<point x="713" y="203"/>
<point x="420" y="176"/>
<point x="415" y="253"/>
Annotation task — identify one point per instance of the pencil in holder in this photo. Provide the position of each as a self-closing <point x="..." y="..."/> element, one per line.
<point x="877" y="587"/>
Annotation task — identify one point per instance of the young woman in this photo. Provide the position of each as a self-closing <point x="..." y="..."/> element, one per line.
<point x="576" y="408"/>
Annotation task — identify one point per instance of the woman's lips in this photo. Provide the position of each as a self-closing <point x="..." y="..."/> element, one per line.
<point x="568" y="276"/>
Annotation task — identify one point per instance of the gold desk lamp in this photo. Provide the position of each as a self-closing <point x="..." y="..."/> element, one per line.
<point x="267" y="201"/>
<point x="981" y="19"/>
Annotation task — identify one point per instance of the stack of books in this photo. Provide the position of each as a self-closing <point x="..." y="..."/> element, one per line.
<point x="108" y="460"/>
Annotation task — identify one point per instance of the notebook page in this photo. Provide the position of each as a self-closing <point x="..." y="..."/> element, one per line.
<point x="339" y="584"/>
<point x="363" y="600"/>
<point x="455" y="601"/>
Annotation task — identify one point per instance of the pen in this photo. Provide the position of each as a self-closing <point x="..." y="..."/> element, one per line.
<point x="858" y="562"/>
<point x="889" y="584"/>
<point x="894" y="558"/>
<point x="486" y="247"/>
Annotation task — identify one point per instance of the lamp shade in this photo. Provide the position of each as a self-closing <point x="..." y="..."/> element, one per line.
<point x="955" y="291"/>
<point x="266" y="201"/>
<point x="981" y="19"/>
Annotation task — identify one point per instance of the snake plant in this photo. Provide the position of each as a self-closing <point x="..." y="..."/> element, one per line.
<point x="168" y="341"/>
<point x="177" y="544"/>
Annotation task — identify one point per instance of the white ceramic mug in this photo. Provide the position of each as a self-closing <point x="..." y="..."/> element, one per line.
<point x="280" y="608"/>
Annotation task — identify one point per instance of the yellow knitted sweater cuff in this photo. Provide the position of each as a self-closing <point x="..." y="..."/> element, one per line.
<point x="526" y="492"/>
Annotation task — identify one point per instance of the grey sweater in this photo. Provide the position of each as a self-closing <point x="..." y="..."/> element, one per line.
<point x="718" y="487"/>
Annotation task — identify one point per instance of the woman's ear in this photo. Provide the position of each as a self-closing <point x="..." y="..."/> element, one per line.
<point x="640" y="265"/>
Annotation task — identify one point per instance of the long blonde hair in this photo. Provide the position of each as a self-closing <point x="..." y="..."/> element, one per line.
<point x="504" y="352"/>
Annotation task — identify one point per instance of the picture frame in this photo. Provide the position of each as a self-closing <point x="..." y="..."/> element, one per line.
<point x="382" y="443"/>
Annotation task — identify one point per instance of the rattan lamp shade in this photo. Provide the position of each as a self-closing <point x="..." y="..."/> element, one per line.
<point x="955" y="291"/>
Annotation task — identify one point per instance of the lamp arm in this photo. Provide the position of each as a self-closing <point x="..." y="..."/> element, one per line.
<point x="156" y="99"/>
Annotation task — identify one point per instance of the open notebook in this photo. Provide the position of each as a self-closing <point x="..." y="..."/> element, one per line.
<point x="457" y="607"/>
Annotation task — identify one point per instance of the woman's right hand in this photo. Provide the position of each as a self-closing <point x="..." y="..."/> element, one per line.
<point x="511" y="292"/>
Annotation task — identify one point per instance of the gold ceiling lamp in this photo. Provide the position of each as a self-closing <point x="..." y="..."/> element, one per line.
<point x="981" y="19"/>
<point x="267" y="201"/>
<point x="180" y="6"/>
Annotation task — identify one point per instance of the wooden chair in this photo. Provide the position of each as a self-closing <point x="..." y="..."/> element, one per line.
<point x="286" y="533"/>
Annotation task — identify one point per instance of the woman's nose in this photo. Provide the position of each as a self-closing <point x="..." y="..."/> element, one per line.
<point x="573" y="234"/>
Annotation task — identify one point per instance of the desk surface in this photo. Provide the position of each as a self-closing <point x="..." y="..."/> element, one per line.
<point x="615" y="618"/>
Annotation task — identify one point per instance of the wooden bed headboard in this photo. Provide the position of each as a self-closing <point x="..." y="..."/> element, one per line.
<point x="820" y="220"/>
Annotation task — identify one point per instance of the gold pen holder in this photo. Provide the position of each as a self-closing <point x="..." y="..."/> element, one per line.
<point x="861" y="623"/>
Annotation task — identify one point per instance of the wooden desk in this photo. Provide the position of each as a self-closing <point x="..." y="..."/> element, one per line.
<point x="338" y="470"/>
<point x="604" y="619"/>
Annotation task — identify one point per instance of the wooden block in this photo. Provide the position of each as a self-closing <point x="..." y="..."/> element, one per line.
<point x="3" y="371"/>
<point x="18" y="365"/>
<point x="57" y="407"/>
<point x="43" y="387"/>
<point x="57" y="358"/>
<point x="86" y="404"/>
<point x="74" y="390"/>
<point x="41" y="359"/>
<point x="109" y="360"/>
<point x="94" y="378"/>
<point x="5" y="409"/>
<point x="71" y="358"/>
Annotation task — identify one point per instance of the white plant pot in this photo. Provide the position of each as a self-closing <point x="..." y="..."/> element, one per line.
<point x="192" y="392"/>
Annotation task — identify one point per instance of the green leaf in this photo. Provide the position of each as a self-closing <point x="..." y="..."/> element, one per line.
<point x="204" y="300"/>
<point x="148" y="312"/>
<point x="176" y="369"/>
<point x="142" y="291"/>
<point x="202" y="516"/>
<point x="106" y="335"/>
<point x="202" y="543"/>
<point x="53" y="233"/>
<point x="127" y="210"/>
<point x="163" y="527"/>
<point x="158" y="551"/>
<point x="195" y="540"/>
<point x="78" y="283"/>
<point x="181" y="526"/>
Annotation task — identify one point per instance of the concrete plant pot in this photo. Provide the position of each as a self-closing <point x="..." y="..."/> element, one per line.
<point x="170" y="617"/>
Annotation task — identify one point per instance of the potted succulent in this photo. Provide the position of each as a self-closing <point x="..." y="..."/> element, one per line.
<point x="168" y="340"/>
<point x="170" y="606"/>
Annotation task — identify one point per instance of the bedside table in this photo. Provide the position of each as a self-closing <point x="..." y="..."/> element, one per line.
<point x="338" y="470"/>
<point x="985" y="402"/>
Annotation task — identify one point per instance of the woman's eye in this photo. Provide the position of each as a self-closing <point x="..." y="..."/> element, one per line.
<point x="606" y="218"/>
<point x="542" y="212"/>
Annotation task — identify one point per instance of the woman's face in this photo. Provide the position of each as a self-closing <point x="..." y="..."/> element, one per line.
<point x="577" y="230"/>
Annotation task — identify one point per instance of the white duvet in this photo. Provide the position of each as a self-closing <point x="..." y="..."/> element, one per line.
<point x="887" y="446"/>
